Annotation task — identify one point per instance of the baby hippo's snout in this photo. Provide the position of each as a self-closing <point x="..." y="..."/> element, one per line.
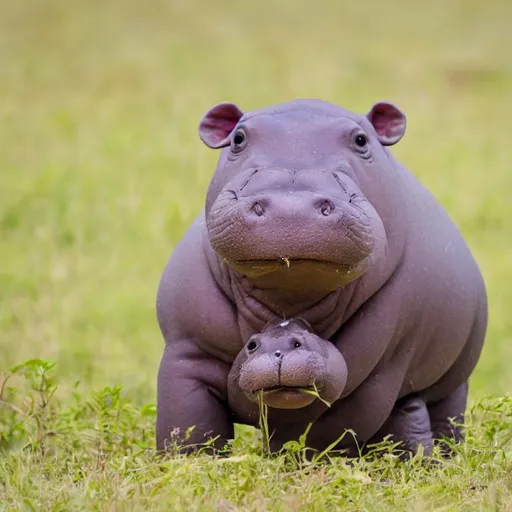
<point x="289" y="367"/>
<point x="282" y="371"/>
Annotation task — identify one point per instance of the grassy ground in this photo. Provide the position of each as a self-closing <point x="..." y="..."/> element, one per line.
<point x="101" y="171"/>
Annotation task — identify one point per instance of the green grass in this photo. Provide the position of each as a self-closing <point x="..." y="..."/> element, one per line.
<point x="102" y="171"/>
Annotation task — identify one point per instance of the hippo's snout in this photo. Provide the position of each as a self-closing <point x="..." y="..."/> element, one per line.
<point x="274" y="220"/>
<point x="296" y="228"/>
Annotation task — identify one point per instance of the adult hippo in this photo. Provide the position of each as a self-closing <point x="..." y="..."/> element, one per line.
<point x="309" y="215"/>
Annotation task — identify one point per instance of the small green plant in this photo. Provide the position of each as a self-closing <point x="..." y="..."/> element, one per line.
<point x="263" y="423"/>
<point x="314" y="391"/>
<point x="32" y="418"/>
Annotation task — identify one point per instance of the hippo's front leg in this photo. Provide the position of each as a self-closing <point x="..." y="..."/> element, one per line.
<point x="192" y="393"/>
<point x="413" y="423"/>
<point x="409" y="425"/>
<point x="447" y="417"/>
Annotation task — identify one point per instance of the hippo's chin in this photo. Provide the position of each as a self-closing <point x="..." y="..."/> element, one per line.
<point x="326" y="274"/>
<point x="285" y="397"/>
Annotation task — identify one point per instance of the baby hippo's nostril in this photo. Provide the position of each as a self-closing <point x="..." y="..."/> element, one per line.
<point x="278" y="354"/>
<point x="326" y="207"/>
<point x="258" y="209"/>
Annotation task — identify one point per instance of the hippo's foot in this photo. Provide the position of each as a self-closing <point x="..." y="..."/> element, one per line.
<point x="446" y="419"/>
<point x="192" y="413"/>
<point x="414" y="424"/>
<point x="409" y="426"/>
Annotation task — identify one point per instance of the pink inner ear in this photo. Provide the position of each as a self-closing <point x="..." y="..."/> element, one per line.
<point x="222" y="123"/>
<point x="218" y="123"/>
<point x="387" y="120"/>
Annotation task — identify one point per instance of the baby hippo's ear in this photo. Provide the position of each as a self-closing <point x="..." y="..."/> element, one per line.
<point x="218" y="123"/>
<point x="303" y="324"/>
<point x="389" y="122"/>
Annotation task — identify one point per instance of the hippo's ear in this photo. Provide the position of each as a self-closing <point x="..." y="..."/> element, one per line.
<point x="389" y="123"/>
<point x="304" y="324"/>
<point x="218" y="123"/>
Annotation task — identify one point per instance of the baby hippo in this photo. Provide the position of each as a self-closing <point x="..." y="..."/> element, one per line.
<point x="288" y="364"/>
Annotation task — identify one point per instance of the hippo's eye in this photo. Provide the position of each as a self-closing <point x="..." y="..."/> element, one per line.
<point x="361" y="140"/>
<point x="252" y="346"/>
<point x="238" y="140"/>
<point x="296" y="343"/>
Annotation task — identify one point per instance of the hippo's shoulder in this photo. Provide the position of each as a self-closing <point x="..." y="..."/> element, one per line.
<point x="189" y="302"/>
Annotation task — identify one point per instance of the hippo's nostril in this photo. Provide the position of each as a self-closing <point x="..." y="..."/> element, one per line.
<point x="252" y="346"/>
<point x="278" y="354"/>
<point x="326" y="207"/>
<point x="257" y="209"/>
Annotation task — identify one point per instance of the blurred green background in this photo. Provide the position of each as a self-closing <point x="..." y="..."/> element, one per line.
<point x="102" y="171"/>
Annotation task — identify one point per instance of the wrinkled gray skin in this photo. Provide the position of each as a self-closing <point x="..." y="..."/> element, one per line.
<point x="309" y="215"/>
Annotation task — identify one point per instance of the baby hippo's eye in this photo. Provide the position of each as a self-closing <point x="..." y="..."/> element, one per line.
<point x="296" y="343"/>
<point x="252" y="346"/>
<point x="239" y="139"/>
<point x="361" y="140"/>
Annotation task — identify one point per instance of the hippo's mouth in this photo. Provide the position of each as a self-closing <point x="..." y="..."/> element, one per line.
<point x="272" y="389"/>
<point x="297" y="266"/>
<point x="286" y="397"/>
<point x="288" y="261"/>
